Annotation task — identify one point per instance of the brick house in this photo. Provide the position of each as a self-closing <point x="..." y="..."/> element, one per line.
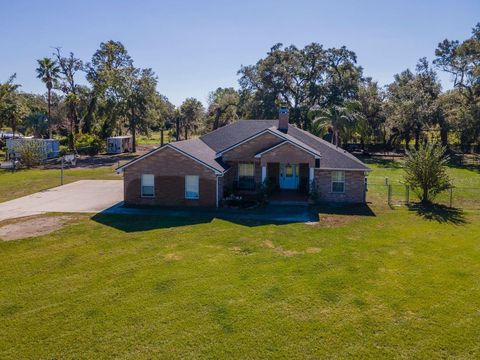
<point x="238" y="158"/>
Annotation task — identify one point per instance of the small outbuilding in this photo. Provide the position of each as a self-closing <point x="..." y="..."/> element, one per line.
<point x="50" y="148"/>
<point x="119" y="144"/>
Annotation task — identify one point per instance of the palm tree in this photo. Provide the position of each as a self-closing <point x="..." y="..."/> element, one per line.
<point x="342" y="119"/>
<point x="48" y="72"/>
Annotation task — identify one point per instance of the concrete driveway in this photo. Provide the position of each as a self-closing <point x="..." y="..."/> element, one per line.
<point x="90" y="196"/>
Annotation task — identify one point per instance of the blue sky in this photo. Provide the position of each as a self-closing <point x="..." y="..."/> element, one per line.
<point x="195" y="47"/>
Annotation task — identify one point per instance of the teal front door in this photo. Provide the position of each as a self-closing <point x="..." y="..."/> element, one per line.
<point x="288" y="176"/>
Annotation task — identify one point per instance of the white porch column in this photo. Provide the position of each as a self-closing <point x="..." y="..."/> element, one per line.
<point x="264" y="173"/>
<point x="311" y="176"/>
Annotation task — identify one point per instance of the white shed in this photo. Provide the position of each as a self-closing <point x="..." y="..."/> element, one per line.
<point x="50" y="147"/>
<point x="119" y="144"/>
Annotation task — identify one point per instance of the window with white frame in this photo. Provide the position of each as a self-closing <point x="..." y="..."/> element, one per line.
<point x="246" y="175"/>
<point x="148" y="185"/>
<point x="338" y="181"/>
<point x="191" y="187"/>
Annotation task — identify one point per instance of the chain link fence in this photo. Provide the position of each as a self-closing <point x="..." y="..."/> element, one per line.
<point x="396" y="194"/>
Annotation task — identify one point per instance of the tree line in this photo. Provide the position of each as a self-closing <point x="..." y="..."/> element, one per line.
<point x="324" y="88"/>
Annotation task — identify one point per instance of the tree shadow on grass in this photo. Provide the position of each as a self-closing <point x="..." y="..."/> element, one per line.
<point x="440" y="213"/>
<point x="459" y="165"/>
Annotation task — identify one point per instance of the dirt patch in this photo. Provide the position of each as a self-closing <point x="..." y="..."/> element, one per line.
<point x="280" y="250"/>
<point x="32" y="226"/>
<point x="289" y="253"/>
<point x="331" y="221"/>
<point x="269" y="244"/>
<point x="172" y="256"/>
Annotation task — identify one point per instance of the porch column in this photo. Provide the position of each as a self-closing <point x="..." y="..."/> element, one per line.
<point x="264" y="173"/>
<point x="311" y="176"/>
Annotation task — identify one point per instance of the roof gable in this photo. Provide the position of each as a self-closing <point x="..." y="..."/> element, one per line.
<point x="306" y="149"/>
<point x="195" y="149"/>
<point x="250" y="138"/>
<point x="234" y="133"/>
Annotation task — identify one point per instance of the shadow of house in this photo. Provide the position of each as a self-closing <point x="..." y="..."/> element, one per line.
<point x="136" y="223"/>
<point x="439" y="213"/>
<point x="144" y="219"/>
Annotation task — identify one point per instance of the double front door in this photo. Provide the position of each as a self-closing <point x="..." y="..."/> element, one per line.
<point x="288" y="176"/>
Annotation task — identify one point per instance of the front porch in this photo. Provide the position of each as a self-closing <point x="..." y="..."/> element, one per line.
<point x="280" y="177"/>
<point x="289" y="197"/>
<point x="287" y="168"/>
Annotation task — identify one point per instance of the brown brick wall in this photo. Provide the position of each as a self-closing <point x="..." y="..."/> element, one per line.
<point x="169" y="168"/>
<point x="288" y="154"/>
<point x="354" y="186"/>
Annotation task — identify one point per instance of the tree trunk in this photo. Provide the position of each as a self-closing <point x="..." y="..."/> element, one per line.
<point x="425" y="196"/>
<point x="407" y="140"/>
<point x="216" y="122"/>
<point x="417" y="139"/>
<point x="444" y="136"/>
<point x="72" y="127"/>
<point x="177" y="133"/>
<point x="186" y="132"/>
<point x="72" y="139"/>
<point x="49" y="104"/>
<point x="133" y="132"/>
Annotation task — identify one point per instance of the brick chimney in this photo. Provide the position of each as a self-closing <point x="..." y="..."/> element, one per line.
<point x="283" y="119"/>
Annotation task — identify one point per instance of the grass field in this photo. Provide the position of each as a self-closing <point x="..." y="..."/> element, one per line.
<point x="153" y="138"/>
<point x="384" y="283"/>
<point x="466" y="181"/>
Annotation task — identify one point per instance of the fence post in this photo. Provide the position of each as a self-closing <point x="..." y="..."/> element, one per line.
<point x="407" y="194"/>
<point x="390" y="195"/>
<point x="386" y="181"/>
<point x="451" y="197"/>
<point x="61" y="173"/>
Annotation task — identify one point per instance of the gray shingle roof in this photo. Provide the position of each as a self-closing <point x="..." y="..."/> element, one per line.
<point x="206" y="148"/>
<point x="332" y="156"/>
<point x="236" y="132"/>
<point x="200" y="151"/>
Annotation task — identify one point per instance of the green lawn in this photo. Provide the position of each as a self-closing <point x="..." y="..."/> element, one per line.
<point x="153" y="138"/>
<point x="466" y="181"/>
<point x="392" y="283"/>
<point x="25" y="182"/>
